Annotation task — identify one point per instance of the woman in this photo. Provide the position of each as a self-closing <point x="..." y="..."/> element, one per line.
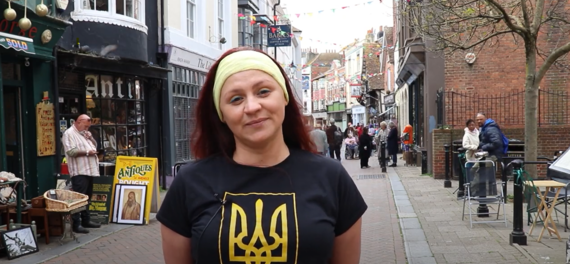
<point x="364" y="148"/>
<point x="382" y="135"/>
<point x="470" y="140"/>
<point x="256" y="192"/>
<point x="392" y="142"/>
<point x="351" y="144"/>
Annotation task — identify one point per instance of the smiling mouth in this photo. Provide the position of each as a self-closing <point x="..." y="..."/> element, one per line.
<point x="256" y="121"/>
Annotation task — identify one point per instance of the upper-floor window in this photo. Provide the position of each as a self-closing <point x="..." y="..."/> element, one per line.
<point x="220" y="21"/>
<point x="128" y="13"/>
<point x="190" y="17"/>
<point x="245" y="29"/>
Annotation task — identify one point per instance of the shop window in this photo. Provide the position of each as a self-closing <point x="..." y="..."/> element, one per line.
<point x="186" y="88"/>
<point x="117" y="107"/>
<point x="11" y="71"/>
<point x="127" y="13"/>
<point x="245" y="29"/>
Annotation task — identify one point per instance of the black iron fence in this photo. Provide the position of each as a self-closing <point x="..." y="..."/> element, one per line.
<point x="507" y="109"/>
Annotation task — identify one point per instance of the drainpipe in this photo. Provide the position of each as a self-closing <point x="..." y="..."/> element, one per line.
<point x="56" y="113"/>
<point x="163" y="48"/>
<point x="274" y="23"/>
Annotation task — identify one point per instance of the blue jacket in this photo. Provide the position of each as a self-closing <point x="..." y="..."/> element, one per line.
<point x="490" y="139"/>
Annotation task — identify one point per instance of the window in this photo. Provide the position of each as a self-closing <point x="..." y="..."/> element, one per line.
<point x="186" y="88"/>
<point x="117" y="107"/>
<point x="127" y="13"/>
<point x="245" y="29"/>
<point x="260" y="37"/>
<point x="220" y="22"/>
<point x="190" y="17"/>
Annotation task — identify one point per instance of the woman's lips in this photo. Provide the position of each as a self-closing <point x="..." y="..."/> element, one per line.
<point x="256" y="122"/>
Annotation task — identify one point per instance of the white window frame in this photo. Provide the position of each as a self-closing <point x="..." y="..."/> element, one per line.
<point x="111" y="16"/>
<point x="220" y="23"/>
<point x="191" y="22"/>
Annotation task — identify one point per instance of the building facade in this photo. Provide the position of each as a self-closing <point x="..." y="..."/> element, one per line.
<point x="28" y="79"/>
<point x="195" y="34"/>
<point x="356" y="113"/>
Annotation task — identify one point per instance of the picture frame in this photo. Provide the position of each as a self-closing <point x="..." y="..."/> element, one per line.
<point x="115" y="204"/>
<point x="131" y="204"/>
<point x="19" y="242"/>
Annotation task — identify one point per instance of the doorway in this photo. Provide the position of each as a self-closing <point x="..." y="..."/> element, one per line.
<point x="13" y="131"/>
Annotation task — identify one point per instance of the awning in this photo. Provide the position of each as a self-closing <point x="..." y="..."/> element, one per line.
<point x="17" y="43"/>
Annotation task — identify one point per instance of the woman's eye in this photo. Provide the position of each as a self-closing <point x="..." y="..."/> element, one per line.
<point x="235" y="99"/>
<point x="264" y="91"/>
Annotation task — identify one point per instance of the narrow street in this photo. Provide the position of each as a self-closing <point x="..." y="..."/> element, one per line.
<point x="381" y="237"/>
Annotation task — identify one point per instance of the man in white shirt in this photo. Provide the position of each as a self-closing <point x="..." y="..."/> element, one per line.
<point x="319" y="137"/>
<point x="83" y="164"/>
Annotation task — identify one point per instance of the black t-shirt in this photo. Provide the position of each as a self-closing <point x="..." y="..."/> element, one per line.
<point x="288" y="213"/>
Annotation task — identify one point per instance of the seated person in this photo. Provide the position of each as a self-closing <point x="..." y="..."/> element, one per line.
<point x="350" y="142"/>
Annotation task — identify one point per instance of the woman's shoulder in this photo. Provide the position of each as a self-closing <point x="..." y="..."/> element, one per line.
<point x="305" y="159"/>
<point x="200" y="166"/>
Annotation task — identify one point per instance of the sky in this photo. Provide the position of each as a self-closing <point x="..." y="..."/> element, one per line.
<point x="323" y="27"/>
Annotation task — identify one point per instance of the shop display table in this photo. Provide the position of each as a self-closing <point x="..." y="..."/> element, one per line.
<point x="68" y="224"/>
<point x="19" y="187"/>
<point x="545" y="211"/>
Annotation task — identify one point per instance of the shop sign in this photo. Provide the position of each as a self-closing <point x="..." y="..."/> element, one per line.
<point x="389" y="99"/>
<point x="137" y="171"/>
<point x="11" y="27"/>
<point x="358" y="110"/>
<point x="279" y="36"/>
<point x="17" y="43"/>
<point x="189" y="60"/>
<point x="45" y="124"/>
<point x="306" y="82"/>
<point x="355" y="91"/>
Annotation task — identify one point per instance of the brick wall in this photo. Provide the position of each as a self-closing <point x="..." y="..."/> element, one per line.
<point x="550" y="139"/>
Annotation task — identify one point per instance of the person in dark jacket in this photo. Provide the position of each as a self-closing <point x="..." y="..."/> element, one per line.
<point x="490" y="137"/>
<point x="334" y="142"/>
<point x="364" y="148"/>
<point x="392" y="143"/>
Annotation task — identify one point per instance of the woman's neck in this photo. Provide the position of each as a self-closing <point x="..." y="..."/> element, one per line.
<point x="270" y="154"/>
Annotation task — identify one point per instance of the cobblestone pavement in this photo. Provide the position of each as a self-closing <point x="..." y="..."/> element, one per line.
<point x="452" y="240"/>
<point x="382" y="241"/>
<point x="136" y="245"/>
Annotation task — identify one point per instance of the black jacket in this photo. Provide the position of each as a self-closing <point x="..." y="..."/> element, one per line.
<point x="490" y="139"/>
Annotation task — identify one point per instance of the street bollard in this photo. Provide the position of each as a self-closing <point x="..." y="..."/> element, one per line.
<point x="518" y="236"/>
<point x="461" y="189"/>
<point x="447" y="182"/>
<point x="383" y="156"/>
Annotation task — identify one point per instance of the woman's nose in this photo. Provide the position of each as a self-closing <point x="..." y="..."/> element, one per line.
<point x="251" y="104"/>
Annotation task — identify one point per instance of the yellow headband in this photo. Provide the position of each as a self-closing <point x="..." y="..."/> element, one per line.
<point x="243" y="61"/>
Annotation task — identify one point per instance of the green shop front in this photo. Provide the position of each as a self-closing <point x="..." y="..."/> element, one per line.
<point x="337" y="111"/>
<point x="27" y="41"/>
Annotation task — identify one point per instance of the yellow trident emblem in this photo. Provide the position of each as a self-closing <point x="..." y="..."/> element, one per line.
<point x="264" y="254"/>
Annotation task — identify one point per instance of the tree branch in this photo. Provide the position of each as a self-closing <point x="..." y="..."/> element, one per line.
<point x="519" y="29"/>
<point x="536" y="22"/>
<point x="555" y="55"/>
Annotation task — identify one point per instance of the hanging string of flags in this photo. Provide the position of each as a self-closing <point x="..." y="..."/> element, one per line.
<point x="306" y="14"/>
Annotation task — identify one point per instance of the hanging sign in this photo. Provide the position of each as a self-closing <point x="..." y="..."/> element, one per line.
<point x="137" y="171"/>
<point x="18" y="43"/>
<point x="279" y="36"/>
<point x="45" y="124"/>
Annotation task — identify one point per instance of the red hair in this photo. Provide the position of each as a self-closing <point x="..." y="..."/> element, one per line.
<point x="211" y="136"/>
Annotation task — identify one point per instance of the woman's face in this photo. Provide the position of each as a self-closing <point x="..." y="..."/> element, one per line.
<point x="253" y="106"/>
<point x="383" y="126"/>
<point x="471" y="126"/>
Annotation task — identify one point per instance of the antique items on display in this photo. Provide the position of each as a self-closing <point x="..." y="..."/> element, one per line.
<point x="66" y="203"/>
<point x="19" y="242"/>
<point x="129" y="206"/>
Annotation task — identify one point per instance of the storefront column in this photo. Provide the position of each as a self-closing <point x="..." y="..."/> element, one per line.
<point x="168" y="127"/>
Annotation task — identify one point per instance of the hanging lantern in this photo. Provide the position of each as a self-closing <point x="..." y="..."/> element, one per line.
<point x="24" y="22"/>
<point x="9" y="13"/>
<point x="41" y="9"/>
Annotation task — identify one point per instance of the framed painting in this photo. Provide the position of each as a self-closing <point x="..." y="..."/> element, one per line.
<point x="19" y="242"/>
<point x="131" y="203"/>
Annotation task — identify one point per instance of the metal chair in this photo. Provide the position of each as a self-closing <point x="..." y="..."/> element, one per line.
<point x="482" y="188"/>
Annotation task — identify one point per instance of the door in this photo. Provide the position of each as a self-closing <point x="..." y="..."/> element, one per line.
<point x="13" y="131"/>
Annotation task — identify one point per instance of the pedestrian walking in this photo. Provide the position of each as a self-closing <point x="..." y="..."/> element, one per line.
<point x="257" y="184"/>
<point x="364" y="148"/>
<point x="319" y="137"/>
<point x="470" y="141"/>
<point x="81" y="154"/>
<point x="334" y="139"/>
<point x="393" y="143"/>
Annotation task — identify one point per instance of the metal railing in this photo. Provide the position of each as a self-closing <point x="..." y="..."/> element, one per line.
<point x="507" y="109"/>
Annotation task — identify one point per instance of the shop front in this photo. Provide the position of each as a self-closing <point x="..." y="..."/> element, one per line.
<point x="26" y="80"/>
<point x="358" y="115"/>
<point x="188" y="73"/>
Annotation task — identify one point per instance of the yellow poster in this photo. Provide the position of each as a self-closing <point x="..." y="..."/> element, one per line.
<point x="137" y="171"/>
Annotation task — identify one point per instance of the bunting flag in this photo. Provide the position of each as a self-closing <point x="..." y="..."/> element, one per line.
<point x="308" y="14"/>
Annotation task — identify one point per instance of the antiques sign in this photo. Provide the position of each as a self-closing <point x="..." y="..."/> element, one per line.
<point x="279" y="36"/>
<point x="138" y="171"/>
<point x="45" y="127"/>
